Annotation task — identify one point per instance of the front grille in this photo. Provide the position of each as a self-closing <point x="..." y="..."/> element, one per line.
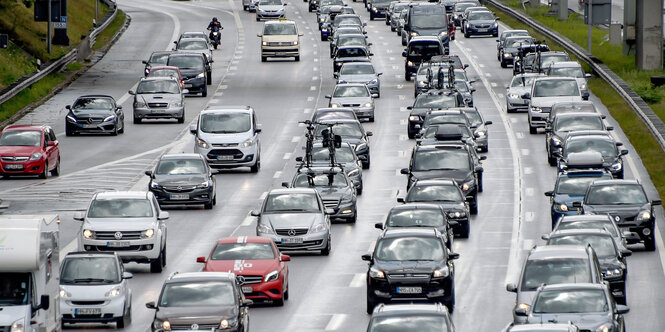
<point x="297" y="231"/>
<point x="5" y="328"/>
<point x="158" y="105"/>
<point x="408" y="275"/>
<point x="14" y="158"/>
<point x="331" y="203"/>
<point x="280" y="43"/>
<point x="249" y="280"/>
<point x="188" y="327"/>
<point x="350" y="105"/>
<point x="87" y="302"/>
<point x="179" y="189"/>
<point x="110" y="235"/>
<point x="105" y="248"/>
<point x="296" y="246"/>
<point x="237" y="154"/>
<point x="225" y="145"/>
<point x="482" y="26"/>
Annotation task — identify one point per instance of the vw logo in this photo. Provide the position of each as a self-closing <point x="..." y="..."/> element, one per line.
<point x="195" y="326"/>
<point x="292" y="232"/>
<point x="241" y="280"/>
<point x="117" y="235"/>
<point x="617" y="218"/>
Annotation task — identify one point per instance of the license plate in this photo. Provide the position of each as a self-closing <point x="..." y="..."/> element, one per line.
<point x="87" y="311"/>
<point x="482" y="30"/>
<point x="409" y="290"/>
<point x="291" y="240"/>
<point x="224" y="157"/>
<point x="188" y="85"/>
<point x="89" y="126"/>
<point x="13" y="166"/>
<point x="117" y="244"/>
<point x="247" y="289"/>
<point x="179" y="196"/>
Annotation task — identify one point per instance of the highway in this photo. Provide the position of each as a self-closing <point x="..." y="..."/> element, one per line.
<point x="326" y="293"/>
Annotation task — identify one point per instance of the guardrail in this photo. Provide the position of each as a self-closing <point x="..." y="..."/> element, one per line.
<point x="646" y="114"/>
<point x="55" y="65"/>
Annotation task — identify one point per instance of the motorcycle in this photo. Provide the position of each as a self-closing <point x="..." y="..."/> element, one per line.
<point x="216" y="36"/>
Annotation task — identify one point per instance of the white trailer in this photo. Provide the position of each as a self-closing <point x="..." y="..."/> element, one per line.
<point x="29" y="273"/>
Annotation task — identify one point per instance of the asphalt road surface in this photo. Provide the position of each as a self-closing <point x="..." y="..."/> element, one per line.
<point x="326" y="293"/>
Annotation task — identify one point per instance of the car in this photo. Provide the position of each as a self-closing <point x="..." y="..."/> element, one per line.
<point x="353" y="53"/>
<point x="410" y="264"/>
<point x="353" y="95"/>
<point x="458" y="11"/>
<point x="94" y="289"/>
<point x="411" y="317"/>
<point x="400" y="26"/>
<point x="545" y="92"/>
<point x="295" y="219"/>
<point x="519" y="85"/>
<point x="557" y="130"/>
<point x="573" y="106"/>
<point x="394" y="10"/>
<point x="627" y="203"/>
<point x="344" y="156"/>
<point x="379" y="8"/>
<point x="343" y="38"/>
<point x="183" y="178"/>
<point x="361" y="72"/>
<point x="195" y="70"/>
<point x="538" y="63"/>
<point x="481" y="23"/>
<point x="479" y="127"/>
<point x="468" y="10"/>
<point x="502" y="38"/>
<point x="551" y="265"/>
<point x="329" y="113"/>
<point x="29" y="150"/>
<point x="465" y="88"/>
<point x="127" y="222"/>
<point x="571" y="186"/>
<point x="595" y="144"/>
<point x="589" y="306"/>
<point x="194" y="45"/>
<point x="447" y="132"/>
<point x="510" y="48"/>
<point x="421" y="215"/>
<point x="445" y="116"/>
<point x="270" y="9"/>
<point x="420" y="49"/>
<point x="249" y="5"/>
<point x="280" y="39"/>
<point x="428" y="101"/>
<point x="427" y="20"/>
<point x="447" y="194"/>
<point x="351" y="132"/>
<point x="206" y="300"/>
<point x="158" y="58"/>
<point x="569" y="69"/>
<point x="167" y="71"/>
<point x="611" y="255"/>
<point x="346" y="20"/>
<point x="336" y="189"/>
<point x="592" y="221"/>
<point x="260" y="269"/>
<point x="194" y="34"/>
<point x="228" y="137"/>
<point x="426" y="71"/>
<point x="95" y="114"/>
<point x="158" y="98"/>
<point x="442" y="162"/>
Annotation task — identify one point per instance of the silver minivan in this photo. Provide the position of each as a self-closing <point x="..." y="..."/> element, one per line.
<point x="228" y="137"/>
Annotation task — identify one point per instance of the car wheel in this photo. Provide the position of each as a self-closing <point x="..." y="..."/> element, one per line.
<point x="115" y="130"/>
<point x="509" y="110"/>
<point x="371" y="17"/>
<point x="407" y="77"/>
<point x="208" y="79"/>
<point x="359" y="190"/>
<point x="353" y="219"/>
<point x="255" y="168"/>
<point x="533" y="130"/>
<point x="205" y="92"/>
<point x="474" y="205"/>
<point x="164" y="257"/>
<point x="137" y="120"/>
<point x="466" y="35"/>
<point x="258" y="19"/>
<point x="480" y="185"/>
<point x="403" y="40"/>
<point x="214" y="200"/>
<point x="264" y="58"/>
<point x="366" y="163"/>
<point x="209" y="205"/>
<point x="371" y="119"/>
<point x="280" y="301"/>
<point x="122" y="127"/>
<point x="370" y="304"/>
<point x="450" y="301"/>
<point x="245" y="8"/>
<point x="504" y="64"/>
<point x="56" y="170"/>
<point x="392" y="29"/>
<point x="44" y="174"/>
<point x="650" y="244"/>
<point x="297" y="58"/>
<point x="551" y="161"/>
<point x="126" y="319"/>
<point x="157" y="265"/>
<point x="182" y="118"/>
<point x="326" y="250"/>
<point x="465" y="229"/>
<point x="68" y="132"/>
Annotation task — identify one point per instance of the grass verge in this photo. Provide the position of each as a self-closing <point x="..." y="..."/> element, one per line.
<point x="105" y="36"/>
<point x="14" y="64"/>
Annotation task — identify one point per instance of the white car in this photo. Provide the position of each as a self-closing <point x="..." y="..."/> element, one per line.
<point x="127" y="222"/>
<point x="93" y="288"/>
<point x="546" y="91"/>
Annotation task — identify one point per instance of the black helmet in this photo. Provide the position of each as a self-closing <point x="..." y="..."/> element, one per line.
<point x="214" y="19"/>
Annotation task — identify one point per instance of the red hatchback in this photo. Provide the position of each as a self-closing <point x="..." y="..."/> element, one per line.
<point x="29" y="150"/>
<point x="260" y="268"/>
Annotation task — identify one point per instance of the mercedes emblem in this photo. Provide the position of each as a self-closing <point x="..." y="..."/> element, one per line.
<point x="292" y="232"/>
<point x="179" y="188"/>
<point x="117" y="235"/>
<point x="241" y="280"/>
<point x="195" y="326"/>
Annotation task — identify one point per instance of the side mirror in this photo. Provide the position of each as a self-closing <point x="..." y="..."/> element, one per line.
<point x="329" y="211"/>
<point x="175" y="42"/>
<point x="625" y="252"/>
<point x="609" y="128"/>
<point x="144" y="62"/>
<point x="151" y="305"/>
<point x="404" y="54"/>
<point x="511" y="288"/>
<point x="246" y="303"/>
<point x="545" y="237"/>
<point x="44" y="302"/>
<point x="119" y="108"/>
<point x="200" y="259"/>
<point x="520" y="312"/>
<point x="193" y="128"/>
<point x="656" y="202"/>
<point x="587" y="75"/>
<point x="526" y="96"/>
<point x="498" y="41"/>
<point x="369" y="133"/>
<point x="285" y="184"/>
<point x="259" y="35"/>
<point x="401" y="200"/>
<point x="79" y="216"/>
<point x="623" y="152"/>
<point x="335" y="75"/>
<point x="378" y="225"/>
<point x="622" y="309"/>
<point x="585" y="96"/>
<point x="299" y="159"/>
<point x="379" y="74"/>
<point x="285" y="258"/>
<point x="300" y="34"/>
<point x="577" y="204"/>
<point x="409" y="107"/>
<point x="371" y="54"/>
<point x="472" y="90"/>
<point x="127" y="275"/>
<point x="131" y="92"/>
<point x="69" y="107"/>
<point x="404" y="171"/>
<point x="328" y="97"/>
<point x="549" y="193"/>
<point x="453" y="255"/>
<point x="487" y="123"/>
<point x="255" y="213"/>
<point x="258" y="129"/>
<point x="498" y="18"/>
<point x="618" y="144"/>
<point x="482" y="158"/>
<point x="163" y="215"/>
<point x="148" y="173"/>
<point x="366" y="257"/>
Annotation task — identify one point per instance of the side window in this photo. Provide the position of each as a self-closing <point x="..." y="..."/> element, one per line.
<point x="157" y="209"/>
<point x="254" y="120"/>
<point x="51" y="135"/>
<point x="46" y="138"/>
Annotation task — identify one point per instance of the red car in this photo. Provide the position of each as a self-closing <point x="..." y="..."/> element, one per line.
<point x="29" y="150"/>
<point x="260" y="268"/>
<point x="167" y="71"/>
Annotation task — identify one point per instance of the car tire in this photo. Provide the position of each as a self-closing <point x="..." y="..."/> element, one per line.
<point x="650" y="244"/>
<point x="297" y="58"/>
<point x="137" y="120"/>
<point x="504" y="64"/>
<point x="125" y="319"/>
<point x="208" y="78"/>
<point x="359" y="191"/>
<point x="370" y="304"/>
<point x="209" y="205"/>
<point x="68" y="132"/>
<point x="264" y="58"/>
<point x="182" y="118"/>
<point x="205" y="92"/>
<point x="366" y="163"/>
<point x="44" y="174"/>
<point x="392" y="29"/>
<point x="115" y="130"/>
<point x="371" y="17"/>
<point x="286" y="293"/>
<point x="353" y="219"/>
<point x="532" y="130"/>
<point x="509" y="110"/>
<point x="407" y="77"/>
<point x="326" y="250"/>
<point x="551" y="161"/>
<point x="403" y="41"/>
<point x="450" y="301"/>
<point x="465" y="229"/>
<point x="258" y="19"/>
<point x="280" y="302"/>
<point x="473" y="206"/>
<point x="157" y="265"/>
<point x="466" y="35"/>
<point x="371" y="119"/>
<point x="256" y="167"/>
<point x="56" y="170"/>
<point x="122" y="127"/>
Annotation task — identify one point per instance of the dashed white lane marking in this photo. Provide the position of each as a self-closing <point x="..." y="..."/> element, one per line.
<point x="493" y="84"/>
<point x="316" y="68"/>
<point x="219" y="93"/>
<point x="287" y="155"/>
<point x="461" y="42"/>
<point x="525" y="152"/>
<point x="263" y="195"/>
<point x="247" y="221"/>
<point x="528" y="170"/>
<point x="529" y="191"/>
<point x="314" y="78"/>
<point x="468" y="49"/>
<point x="514" y="120"/>
<point x="336" y="322"/>
<point x="223" y="86"/>
<point x="403" y="137"/>
<point x="310" y="98"/>
<point x="307" y="110"/>
<point x="312" y="88"/>
<point x="295" y="139"/>
<point x="529" y="216"/>
<point x="235" y="62"/>
<point x="500" y="95"/>
<point x="277" y="175"/>
<point x="358" y="280"/>
<point x="488" y="74"/>
<point x="233" y="67"/>
<point x="395" y="67"/>
<point x="401" y="97"/>
<point x="389" y="51"/>
<point x="403" y="109"/>
<point x="402" y="154"/>
<point x="392" y="58"/>
<point x="400" y="86"/>
<point x="316" y="60"/>
<point x="403" y="122"/>
<point x="482" y="66"/>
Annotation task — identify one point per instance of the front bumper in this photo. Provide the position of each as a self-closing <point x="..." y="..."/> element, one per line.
<point x="344" y="211"/>
<point x="280" y="51"/>
<point x="106" y="127"/>
<point x="269" y="15"/>
<point x="414" y="126"/>
<point x="140" y="251"/>
<point x="229" y="157"/>
<point x="379" y="12"/>
<point x="638" y="231"/>
<point x="433" y="290"/>
<point x="310" y="241"/>
<point x="110" y="308"/>
<point x="159" y="113"/>
<point x="29" y="167"/>
<point x="471" y="30"/>
<point x="517" y="103"/>
<point x="265" y="291"/>
<point x="186" y="196"/>
<point x="538" y="119"/>
<point x="195" y="85"/>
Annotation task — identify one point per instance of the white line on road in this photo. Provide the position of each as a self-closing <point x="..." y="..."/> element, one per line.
<point x="335" y="322"/>
<point x="493" y="84"/>
<point x="312" y="88"/>
<point x="529" y="191"/>
<point x="358" y="280"/>
<point x="287" y="155"/>
<point x="525" y="152"/>
<point x="307" y="110"/>
<point x="295" y="139"/>
<point x="310" y="98"/>
<point x="277" y="175"/>
<point x="247" y="221"/>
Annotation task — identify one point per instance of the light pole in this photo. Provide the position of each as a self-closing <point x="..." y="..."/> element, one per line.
<point x="589" y="26"/>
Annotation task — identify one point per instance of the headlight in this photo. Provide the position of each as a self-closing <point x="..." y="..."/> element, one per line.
<point x="409" y="63"/>
<point x="374" y="81"/>
<point x="613" y="273"/>
<point x="456" y="214"/>
<point x="523" y="306"/>
<point x="443" y="33"/>
<point x="466" y="186"/>
<point x="480" y="133"/>
<point x="17" y="326"/>
<point x="64" y="293"/>
<point x="604" y="328"/>
<point x="561" y="207"/>
<point x="583" y="86"/>
<point x="265" y="43"/>
<point x="507" y="55"/>
<point x="513" y="96"/>
<point x="335" y="105"/>
<point x="556" y="141"/>
<point x="536" y="109"/>
<point x="88" y="234"/>
<point x="318" y="228"/>
<point x="617" y="166"/>
<point x="166" y="325"/>
<point x="203" y="185"/>
<point x="138" y="104"/>
<point x="36" y="156"/>
<point x="274" y="275"/>
<point x="361" y="146"/>
<point x="374" y="9"/>
<point x="202" y="144"/>
<point x="264" y="228"/>
<point x="109" y="118"/>
<point x="154" y="185"/>
<point x="177" y="103"/>
<point x="228" y="323"/>
<point x="421" y="83"/>
<point x="367" y="105"/>
<point x="247" y="143"/>
<point x="644" y="216"/>
<point x="414" y="118"/>
<point x="115" y="291"/>
<point x="441" y="273"/>
<point x="71" y="118"/>
<point x="295" y="42"/>
<point x="376" y="273"/>
<point x="201" y="75"/>
<point x="353" y="172"/>
<point x="148" y="233"/>
<point x="413" y="34"/>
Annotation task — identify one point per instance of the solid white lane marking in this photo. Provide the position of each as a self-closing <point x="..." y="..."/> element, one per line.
<point x="287" y="156"/>
<point x="335" y="322"/>
<point x="310" y="98"/>
<point x="295" y="139"/>
<point x="277" y="175"/>
<point x="247" y="221"/>
<point x="529" y="191"/>
<point x="358" y="280"/>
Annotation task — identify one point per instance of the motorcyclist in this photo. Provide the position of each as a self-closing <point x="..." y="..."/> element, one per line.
<point x="214" y="25"/>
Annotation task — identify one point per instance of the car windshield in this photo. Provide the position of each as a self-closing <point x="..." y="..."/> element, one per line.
<point x="441" y="159"/>
<point x="21" y="138"/>
<point x="420" y="323"/>
<point x="426" y="50"/>
<point x="347" y="20"/>
<point x="571" y="71"/>
<point x="93" y="104"/>
<point x="431" y="131"/>
<point x="573" y="123"/>
<point x="180" y="167"/>
<point x="572" y="107"/>
<point x="415" y="218"/>
<point x="358" y="69"/>
<point x="442" y="101"/>
<point x="242" y="251"/>
<point x="515" y="42"/>
<point x="605" y="147"/>
<point x="399" y="7"/>
<point x="158" y="59"/>
<point x="355" y="30"/>
<point x="480" y="16"/>
<point x="292" y="202"/>
<point x="351" y="52"/>
<point x="616" y="194"/>
<point x="352" y="40"/>
<point x="474" y="117"/>
<point x="351" y="91"/>
<point x="433" y="18"/>
<point x="422" y="70"/>
<point x="90" y="270"/>
<point x="460" y="7"/>
<point x="225" y="123"/>
<point x="604" y="224"/>
<point x="120" y="208"/>
<point x="555" y="88"/>
<point x="279" y="29"/>
<point x="409" y="248"/>
<point x="270" y="2"/>
<point x="342" y="155"/>
<point x="312" y="180"/>
<point x="445" y="118"/>
<point x="437" y="193"/>
<point x="158" y="86"/>
<point x="186" y="35"/>
<point x="571" y="301"/>
<point x="14" y="289"/>
<point x="522" y="81"/>
<point x="164" y="73"/>
<point x="190" y="44"/>
<point x="197" y="294"/>
<point x="461" y="86"/>
<point x="347" y="129"/>
<point x="602" y="244"/>
<point x="574" y="185"/>
<point x="552" y="271"/>
<point x="334" y="115"/>
<point x="186" y="62"/>
<point x="548" y="59"/>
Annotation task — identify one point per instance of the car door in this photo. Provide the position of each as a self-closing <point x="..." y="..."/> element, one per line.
<point x="50" y="147"/>
<point x="120" y="115"/>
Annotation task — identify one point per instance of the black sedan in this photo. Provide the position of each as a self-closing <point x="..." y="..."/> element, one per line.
<point x="94" y="114"/>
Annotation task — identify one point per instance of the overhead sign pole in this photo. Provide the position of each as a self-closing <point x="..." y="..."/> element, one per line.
<point x="48" y="27"/>
<point x="589" y="26"/>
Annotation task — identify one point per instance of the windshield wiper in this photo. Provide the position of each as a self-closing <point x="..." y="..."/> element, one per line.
<point x="90" y="280"/>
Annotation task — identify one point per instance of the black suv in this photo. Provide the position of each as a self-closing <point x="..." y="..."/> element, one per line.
<point x="430" y="101"/>
<point x="411" y="317"/>
<point x="410" y="264"/>
<point x="562" y="124"/>
<point x="421" y="215"/>
<point x="598" y="141"/>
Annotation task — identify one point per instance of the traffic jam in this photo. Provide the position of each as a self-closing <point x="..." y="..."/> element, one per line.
<point x="573" y="280"/>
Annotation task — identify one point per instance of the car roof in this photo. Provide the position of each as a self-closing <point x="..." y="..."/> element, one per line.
<point x="320" y="145"/>
<point x="335" y="121"/>
<point x="409" y="231"/>
<point x="92" y="254"/>
<point x="416" y="206"/>
<point x="565" y="64"/>
<point x="350" y="84"/>
<point x="442" y="146"/>
<point x="196" y="39"/>
<point x="580" y="286"/>
<point x="585" y="217"/>
<point x="25" y="127"/>
<point x="547" y="327"/>
<point x="201" y="276"/>
<point x="583" y="134"/>
<point x="280" y="21"/>
<point x="121" y="194"/>
<point x="179" y="54"/>
<point x="558" y="251"/>
<point x="280" y="191"/>
<point x="227" y="109"/>
<point x="614" y="182"/>
<point x="574" y="114"/>
<point x="445" y="112"/>
<point x="99" y="96"/>
<point x="158" y="78"/>
<point x="555" y="78"/>
<point x="182" y="156"/>
<point x="153" y="68"/>
<point x="244" y="239"/>
<point x="320" y="169"/>
<point x="418" y="39"/>
<point x="410" y="308"/>
<point x="436" y="182"/>
<point x="582" y="231"/>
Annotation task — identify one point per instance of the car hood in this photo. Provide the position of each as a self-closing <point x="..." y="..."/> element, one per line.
<point x="291" y="220"/>
<point x="583" y="321"/>
<point x="270" y="7"/>
<point x="243" y="267"/>
<point x="429" y="32"/>
<point x="622" y="211"/>
<point x="353" y="141"/>
<point x="549" y="101"/>
<point x="198" y="315"/>
<point x="9" y="314"/>
<point x="351" y="100"/>
<point x="118" y="224"/>
<point x="19" y="151"/>
<point x="279" y="38"/>
<point x="568" y="199"/>
<point x="362" y="78"/>
<point x="90" y="113"/>
<point x="458" y="175"/>
<point x="180" y="180"/>
<point x="200" y="50"/>
<point x="83" y="291"/>
<point x="333" y="192"/>
<point x="159" y="97"/>
<point x="520" y="90"/>
<point x="407" y="266"/>
<point x="190" y="73"/>
<point x="232" y="138"/>
<point x="607" y="263"/>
